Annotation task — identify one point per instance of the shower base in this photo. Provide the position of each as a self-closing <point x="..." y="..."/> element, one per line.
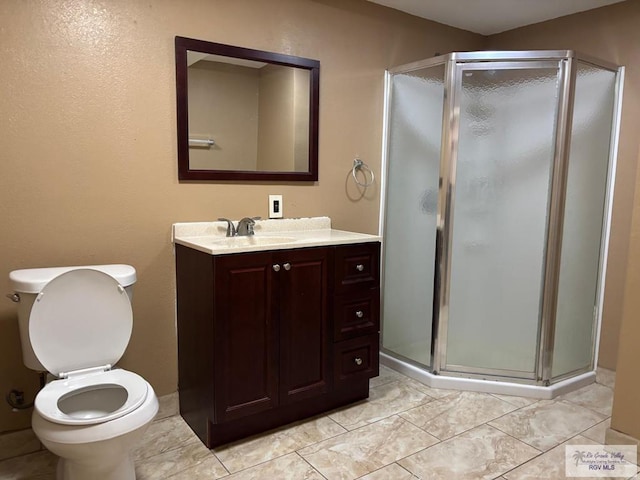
<point x="488" y="386"/>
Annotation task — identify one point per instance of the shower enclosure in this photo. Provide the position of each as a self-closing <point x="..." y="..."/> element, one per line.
<point x="497" y="197"/>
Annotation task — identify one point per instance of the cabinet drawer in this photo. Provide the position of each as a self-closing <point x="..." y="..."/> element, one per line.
<point x="356" y="359"/>
<point x="356" y="314"/>
<point x="357" y="267"/>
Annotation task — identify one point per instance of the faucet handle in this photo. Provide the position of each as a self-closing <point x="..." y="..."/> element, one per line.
<point x="231" y="229"/>
<point x="245" y="226"/>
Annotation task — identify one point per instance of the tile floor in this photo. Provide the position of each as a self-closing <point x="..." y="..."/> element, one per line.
<point x="405" y="430"/>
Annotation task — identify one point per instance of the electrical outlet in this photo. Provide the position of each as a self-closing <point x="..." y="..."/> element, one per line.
<point x="275" y="206"/>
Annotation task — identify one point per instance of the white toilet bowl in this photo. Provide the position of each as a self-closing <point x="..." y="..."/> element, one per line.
<point x="92" y="416"/>
<point x="97" y="450"/>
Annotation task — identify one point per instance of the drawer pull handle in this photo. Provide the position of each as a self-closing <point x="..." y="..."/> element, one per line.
<point x="276" y="268"/>
<point x="360" y="267"/>
<point x="359" y="314"/>
<point x="287" y="266"/>
<point x="358" y="361"/>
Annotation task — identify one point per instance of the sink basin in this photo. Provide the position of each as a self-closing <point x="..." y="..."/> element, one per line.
<point x="248" y="241"/>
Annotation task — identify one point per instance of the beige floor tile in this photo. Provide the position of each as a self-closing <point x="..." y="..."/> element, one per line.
<point x="367" y="449"/>
<point x="547" y="423"/>
<point x="550" y="465"/>
<point x="457" y="413"/>
<point x="517" y="401"/>
<point x="432" y="392"/>
<point x="481" y="453"/>
<point x="247" y="453"/>
<point x="40" y="465"/>
<point x="597" y="432"/>
<point x="384" y="401"/>
<point x="387" y="375"/>
<point x="168" y="406"/>
<point x="164" y="435"/>
<point x="206" y="470"/>
<point x="192" y="457"/>
<point x="288" y="466"/>
<point x="17" y="443"/>
<point x="605" y="377"/>
<point x="595" y="396"/>
<point x="390" y="472"/>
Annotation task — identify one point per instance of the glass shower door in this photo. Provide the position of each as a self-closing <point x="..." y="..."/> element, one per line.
<point x="413" y="170"/>
<point x="591" y="136"/>
<point x="500" y="181"/>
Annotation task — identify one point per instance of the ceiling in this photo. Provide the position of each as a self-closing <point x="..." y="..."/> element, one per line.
<point x="492" y="16"/>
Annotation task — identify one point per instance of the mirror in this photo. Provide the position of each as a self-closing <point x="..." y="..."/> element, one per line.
<point x="245" y="114"/>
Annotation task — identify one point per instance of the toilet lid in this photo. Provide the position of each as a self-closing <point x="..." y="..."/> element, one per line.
<point x="81" y="319"/>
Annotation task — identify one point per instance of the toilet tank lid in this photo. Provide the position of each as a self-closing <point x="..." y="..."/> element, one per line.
<point x="33" y="280"/>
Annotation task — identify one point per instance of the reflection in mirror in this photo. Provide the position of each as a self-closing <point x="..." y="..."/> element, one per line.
<point x="245" y="114"/>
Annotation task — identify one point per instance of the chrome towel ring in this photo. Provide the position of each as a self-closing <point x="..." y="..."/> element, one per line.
<point x="366" y="171"/>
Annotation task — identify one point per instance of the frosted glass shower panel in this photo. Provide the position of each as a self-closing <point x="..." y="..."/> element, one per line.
<point x="507" y="119"/>
<point x="413" y="163"/>
<point x="583" y="218"/>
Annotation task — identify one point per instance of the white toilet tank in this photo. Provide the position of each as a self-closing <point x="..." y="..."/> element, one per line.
<point x="28" y="283"/>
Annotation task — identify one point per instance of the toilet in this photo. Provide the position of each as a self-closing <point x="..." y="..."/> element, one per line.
<point x="75" y="323"/>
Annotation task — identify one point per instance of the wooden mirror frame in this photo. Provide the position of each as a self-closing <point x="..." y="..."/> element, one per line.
<point x="183" y="44"/>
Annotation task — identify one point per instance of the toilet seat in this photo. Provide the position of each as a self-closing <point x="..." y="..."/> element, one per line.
<point x="80" y="325"/>
<point x="50" y="401"/>
<point x="81" y="319"/>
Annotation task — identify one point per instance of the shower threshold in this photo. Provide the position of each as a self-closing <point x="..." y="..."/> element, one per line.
<point x="488" y="386"/>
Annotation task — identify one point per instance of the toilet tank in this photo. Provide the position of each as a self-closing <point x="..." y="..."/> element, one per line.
<point x="28" y="283"/>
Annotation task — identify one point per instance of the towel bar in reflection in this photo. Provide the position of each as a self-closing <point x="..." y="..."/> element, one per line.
<point x="197" y="142"/>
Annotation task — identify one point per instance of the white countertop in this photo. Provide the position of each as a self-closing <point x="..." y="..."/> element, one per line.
<point x="210" y="237"/>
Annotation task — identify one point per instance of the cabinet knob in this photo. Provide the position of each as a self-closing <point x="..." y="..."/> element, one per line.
<point x="357" y="361"/>
<point x="359" y="314"/>
<point x="360" y="267"/>
<point x="287" y="266"/>
<point x="276" y="268"/>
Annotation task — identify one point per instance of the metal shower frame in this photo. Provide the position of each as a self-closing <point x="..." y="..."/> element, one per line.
<point x="566" y="62"/>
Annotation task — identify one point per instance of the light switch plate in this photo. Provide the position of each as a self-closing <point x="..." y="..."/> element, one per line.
<point x="275" y="206"/>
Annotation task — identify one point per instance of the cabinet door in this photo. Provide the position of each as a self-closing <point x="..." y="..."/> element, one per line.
<point x="304" y="334"/>
<point x="245" y="347"/>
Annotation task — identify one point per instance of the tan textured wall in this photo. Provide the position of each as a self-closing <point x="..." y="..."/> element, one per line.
<point x="610" y="33"/>
<point x="626" y="401"/>
<point x="88" y="139"/>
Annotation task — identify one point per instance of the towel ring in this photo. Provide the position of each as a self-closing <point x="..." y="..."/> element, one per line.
<point x="360" y="165"/>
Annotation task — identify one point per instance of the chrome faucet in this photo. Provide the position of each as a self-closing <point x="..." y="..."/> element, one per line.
<point x="231" y="229"/>
<point x="245" y="226"/>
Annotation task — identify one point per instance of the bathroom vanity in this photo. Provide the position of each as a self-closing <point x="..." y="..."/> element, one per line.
<point x="274" y="327"/>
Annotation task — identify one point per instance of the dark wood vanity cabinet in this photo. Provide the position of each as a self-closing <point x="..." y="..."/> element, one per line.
<point x="270" y="329"/>
<point x="267" y="338"/>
